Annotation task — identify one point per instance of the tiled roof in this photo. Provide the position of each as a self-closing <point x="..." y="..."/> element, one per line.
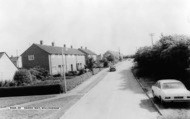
<point x="58" y="50"/>
<point x="14" y="58"/>
<point x="87" y="51"/>
<point x="1" y="54"/>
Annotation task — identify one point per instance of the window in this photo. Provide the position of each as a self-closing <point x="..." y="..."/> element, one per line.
<point x="159" y="86"/>
<point x="30" y="57"/>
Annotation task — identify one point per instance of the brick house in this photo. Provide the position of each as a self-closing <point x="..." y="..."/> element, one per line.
<point x="7" y="68"/>
<point x="50" y="57"/>
<point x="88" y="53"/>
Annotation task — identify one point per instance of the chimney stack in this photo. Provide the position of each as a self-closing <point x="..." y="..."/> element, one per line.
<point x="64" y="46"/>
<point x="81" y="47"/>
<point x="41" y="42"/>
<point x="71" y="46"/>
<point x="53" y="44"/>
<point x="85" y="47"/>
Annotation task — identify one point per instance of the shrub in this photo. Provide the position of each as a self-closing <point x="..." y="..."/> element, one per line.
<point x="168" y="58"/>
<point x="22" y="77"/>
<point x="39" y="72"/>
<point x="57" y="75"/>
<point x="81" y="71"/>
<point x="31" y="90"/>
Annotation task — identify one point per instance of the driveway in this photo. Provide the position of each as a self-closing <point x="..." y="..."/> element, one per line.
<point x="117" y="96"/>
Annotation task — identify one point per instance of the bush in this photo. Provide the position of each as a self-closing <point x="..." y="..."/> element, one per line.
<point x="22" y="77"/>
<point x="39" y="72"/>
<point x="82" y="71"/>
<point x="31" y="90"/>
<point x="168" y="58"/>
<point x="7" y="84"/>
<point x="57" y="75"/>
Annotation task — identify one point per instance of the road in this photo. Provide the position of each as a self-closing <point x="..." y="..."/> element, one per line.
<point x="107" y="95"/>
<point x="117" y="96"/>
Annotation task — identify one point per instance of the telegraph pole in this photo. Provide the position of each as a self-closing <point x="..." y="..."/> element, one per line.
<point x="63" y="73"/>
<point x="151" y="35"/>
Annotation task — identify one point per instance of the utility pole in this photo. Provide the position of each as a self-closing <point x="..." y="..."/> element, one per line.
<point x="119" y="54"/>
<point x="63" y="73"/>
<point x="151" y="35"/>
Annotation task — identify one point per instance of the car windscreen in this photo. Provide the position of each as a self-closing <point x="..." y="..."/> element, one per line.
<point x="173" y="85"/>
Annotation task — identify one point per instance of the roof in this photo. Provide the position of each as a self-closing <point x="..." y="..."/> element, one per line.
<point x="14" y="58"/>
<point x="1" y="54"/>
<point x="58" y="50"/>
<point x="87" y="51"/>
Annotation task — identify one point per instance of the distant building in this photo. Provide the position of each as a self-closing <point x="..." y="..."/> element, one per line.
<point x="116" y="55"/>
<point x="17" y="61"/>
<point x="51" y="58"/>
<point x="7" y="68"/>
<point x="99" y="57"/>
<point x="88" y="53"/>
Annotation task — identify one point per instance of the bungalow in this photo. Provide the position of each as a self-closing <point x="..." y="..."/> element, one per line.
<point x="88" y="53"/>
<point x="53" y="58"/>
<point x="7" y="68"/>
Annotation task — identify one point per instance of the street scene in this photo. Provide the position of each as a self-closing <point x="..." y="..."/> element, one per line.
<point x="114" y="95"/>
<point x="95" y="59"/>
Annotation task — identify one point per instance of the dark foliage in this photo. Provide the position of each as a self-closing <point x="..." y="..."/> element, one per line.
<point x="31" y="90"/>
<point x="168" y="58"/>
<point x="39" y="72"/>
<point x="22" y="77"/>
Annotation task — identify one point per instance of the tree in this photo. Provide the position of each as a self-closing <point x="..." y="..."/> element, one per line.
<point x="168" y="58"/>
<point x="111" y="58"/>
<point x="90" y="64"/>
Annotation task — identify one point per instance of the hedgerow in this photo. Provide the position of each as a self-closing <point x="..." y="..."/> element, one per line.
<point x="168" y="58"/>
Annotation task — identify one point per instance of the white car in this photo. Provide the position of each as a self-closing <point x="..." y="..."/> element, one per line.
<point x="170" y="90"/>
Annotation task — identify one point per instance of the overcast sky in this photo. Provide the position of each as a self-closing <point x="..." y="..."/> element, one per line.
<point x="99" y="25"/>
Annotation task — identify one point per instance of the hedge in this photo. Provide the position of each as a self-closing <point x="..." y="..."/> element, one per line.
<point x="168" y="58"/>
<point x="31" y="90"/>
<point x="45" y="87"/>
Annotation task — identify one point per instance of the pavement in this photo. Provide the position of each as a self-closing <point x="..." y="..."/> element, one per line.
<point x="117" y="96"/>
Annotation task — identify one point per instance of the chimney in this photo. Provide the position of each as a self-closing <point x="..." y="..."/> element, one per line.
<point x="53" y="44"/>
<point x="41" y="42"/>
<point x="81" y="47"/>
<point x="64" y="46"/>
<point x="85" y="47"/>
<point x="71" y="46"/>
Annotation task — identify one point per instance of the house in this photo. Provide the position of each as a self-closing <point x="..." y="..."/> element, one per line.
<point x="53" y="58"/>
<point x="7" y="68"/>
<point x="17" y="61"/>
<point x="116" y="55"/>
<point x="88" y="53"/>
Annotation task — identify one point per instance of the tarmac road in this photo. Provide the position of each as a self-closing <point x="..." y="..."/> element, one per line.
<point x="117" y="96"/>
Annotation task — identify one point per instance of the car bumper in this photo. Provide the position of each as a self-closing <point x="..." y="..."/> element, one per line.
<point x="176" y="100"/>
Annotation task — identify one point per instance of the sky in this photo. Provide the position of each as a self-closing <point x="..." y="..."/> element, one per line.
<point x="99" y="25"/>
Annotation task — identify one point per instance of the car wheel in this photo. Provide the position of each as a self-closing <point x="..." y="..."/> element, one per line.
<point x="154" y="96"/>
<point x="162" y="102"/>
